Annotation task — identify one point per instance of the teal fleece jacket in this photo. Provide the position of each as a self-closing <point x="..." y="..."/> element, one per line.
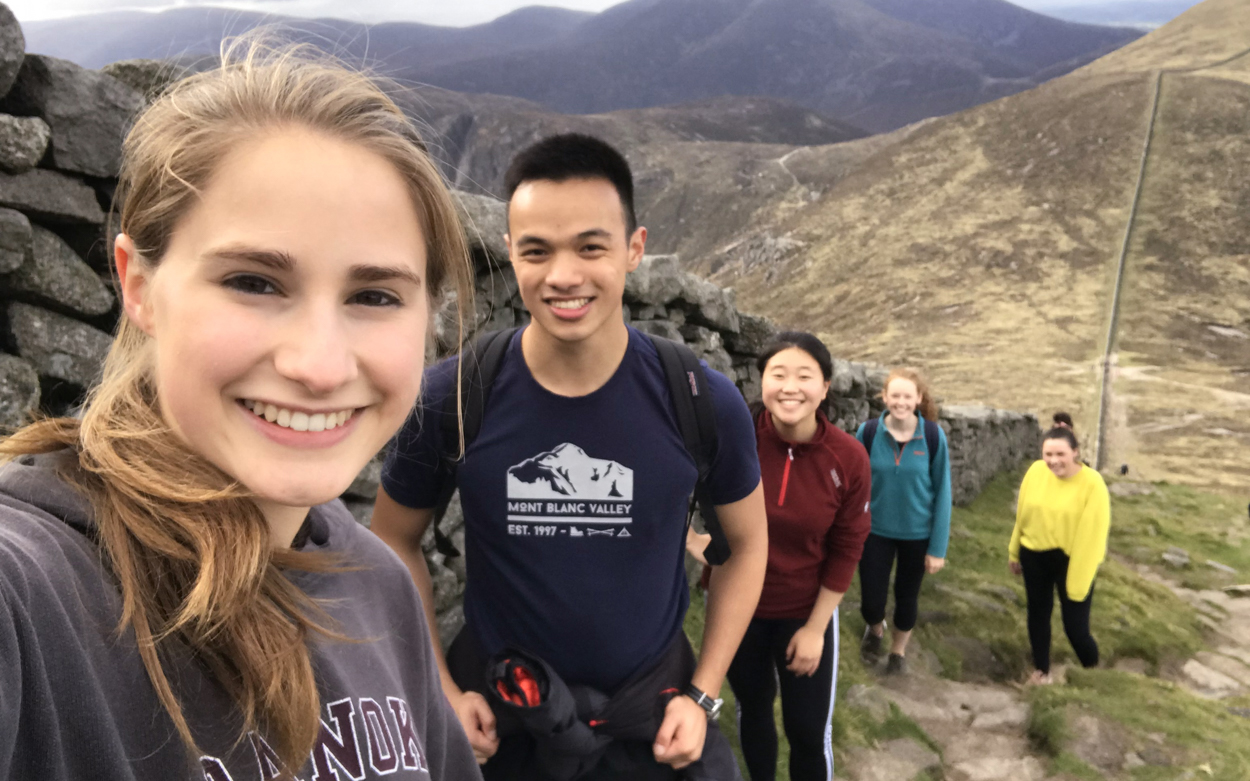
<point x="911" y="492"/>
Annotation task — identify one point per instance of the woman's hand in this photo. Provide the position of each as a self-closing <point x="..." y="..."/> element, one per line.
<point x="696" y="544"/>
<point x="933" y="565"/>
<point x="1014" y="566"/>
<point x="803" y="652"/>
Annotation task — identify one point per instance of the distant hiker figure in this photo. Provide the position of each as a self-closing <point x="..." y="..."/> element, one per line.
<point x="817" y="492"/>
<point x="911" y="511"/>
<point x="584" y="442"/>
<point x="1063" y="516"/>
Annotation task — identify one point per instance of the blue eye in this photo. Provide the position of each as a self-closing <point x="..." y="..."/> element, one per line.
<point x="375" y="298"/>
<point x="251" y="284"/>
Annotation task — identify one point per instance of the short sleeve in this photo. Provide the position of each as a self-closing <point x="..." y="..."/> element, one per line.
<point x="414" y="472"/>
<point x="736" y="467"/>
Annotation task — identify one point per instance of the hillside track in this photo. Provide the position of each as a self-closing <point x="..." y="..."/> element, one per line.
<point x="1112" y="419"/>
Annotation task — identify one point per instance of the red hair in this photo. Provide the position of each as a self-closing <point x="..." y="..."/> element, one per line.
<point x="927" y="406"/>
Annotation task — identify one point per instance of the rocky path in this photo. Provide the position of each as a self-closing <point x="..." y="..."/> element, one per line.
<point x="979" y="727"/>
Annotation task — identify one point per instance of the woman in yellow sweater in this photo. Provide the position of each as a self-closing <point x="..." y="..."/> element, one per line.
<point x="1062" y="519"/>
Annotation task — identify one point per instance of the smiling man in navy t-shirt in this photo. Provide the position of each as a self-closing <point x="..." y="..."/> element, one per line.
<point x="575" y="490"/>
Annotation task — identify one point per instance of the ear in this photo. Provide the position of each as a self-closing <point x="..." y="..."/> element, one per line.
<point x="637" y="248"/>
<point x="133" y="275"/>
<point x="507" y="242"/>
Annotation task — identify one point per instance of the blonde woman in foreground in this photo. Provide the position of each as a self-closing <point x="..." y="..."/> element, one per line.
<point x="180" y="594"/>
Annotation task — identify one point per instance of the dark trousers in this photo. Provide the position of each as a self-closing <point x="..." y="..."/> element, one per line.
<point x="874" y="579"/>
<point x="806" y="703"/>
<point x="1044" y="571"/>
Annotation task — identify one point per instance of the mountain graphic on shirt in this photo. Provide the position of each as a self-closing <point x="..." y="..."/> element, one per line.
<point x="566" y="472"/>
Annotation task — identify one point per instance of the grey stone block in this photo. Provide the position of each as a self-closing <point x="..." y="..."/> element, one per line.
<point x="657" y="281"/>
<point x="88" y="111"/>
<point x="753" y="334"/>
<point x="659" y="328"/>
<point x="19" y="392"/>
<point x="23" y="140"/>
<point x="12" y="48"/>
<point x="59" y="347"/>
<point x="52" y="197"/>
<point x="53" y="273"/>
<point x="15" y="239"/>
<point x="485" y="222"/>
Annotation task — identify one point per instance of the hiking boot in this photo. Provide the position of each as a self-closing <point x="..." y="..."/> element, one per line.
<point x="896" y="665"/>
<point x="870" y="647"/>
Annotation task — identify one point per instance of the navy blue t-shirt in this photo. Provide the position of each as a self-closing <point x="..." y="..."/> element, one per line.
<point x="575" y="509"/>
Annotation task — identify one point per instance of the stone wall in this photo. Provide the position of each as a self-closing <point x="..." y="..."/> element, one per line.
<point x="61" y="128"/>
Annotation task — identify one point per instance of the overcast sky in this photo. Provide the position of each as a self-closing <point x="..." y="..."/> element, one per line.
<point x="446" y="12"/>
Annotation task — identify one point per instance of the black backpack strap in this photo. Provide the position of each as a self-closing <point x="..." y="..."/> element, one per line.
<point x="870" y="433"/>
<point x="696" y="418"/>
<point x="931" y="437"/>
<point x="479" y="364"/>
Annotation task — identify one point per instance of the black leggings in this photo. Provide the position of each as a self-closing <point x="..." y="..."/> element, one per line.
<point x="806" y="702"/>
<point x="1043" y="571"/>
<point x="874" y="579"/>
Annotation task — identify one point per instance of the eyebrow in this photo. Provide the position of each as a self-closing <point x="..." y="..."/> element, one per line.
<point x="593" y="233"/>
<point x="278" y="260"/>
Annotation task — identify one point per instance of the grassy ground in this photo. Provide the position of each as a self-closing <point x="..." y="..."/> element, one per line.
<point x="977" y="601"/>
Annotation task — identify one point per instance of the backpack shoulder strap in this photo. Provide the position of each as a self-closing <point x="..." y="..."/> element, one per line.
<point x="870" y="433"/>
<point x="696" y="418"/>
<point x="479" y="365"/>
<point x="931" y="437"/>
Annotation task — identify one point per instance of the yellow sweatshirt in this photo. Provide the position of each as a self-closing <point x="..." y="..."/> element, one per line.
<point x="1071" y="513"/>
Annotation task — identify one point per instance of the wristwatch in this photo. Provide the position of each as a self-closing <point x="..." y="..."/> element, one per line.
<point x="707" y="703"/>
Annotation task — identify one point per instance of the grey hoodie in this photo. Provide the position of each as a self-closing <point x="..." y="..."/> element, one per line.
<point x="76" y="703"/>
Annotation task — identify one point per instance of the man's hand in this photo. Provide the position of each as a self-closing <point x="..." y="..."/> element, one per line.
<point x="933" y="565"/>
<point x="680" y="739"/>
<point x="803" y="652"/>
<point x="1014" y="566"/>
<point x="479" y="723"/>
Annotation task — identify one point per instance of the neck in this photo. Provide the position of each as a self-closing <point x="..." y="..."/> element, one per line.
<point x="575" y="368"/>
<point x="803" y="431"/>
<point x="284" y="522"/>
<point x="901" y="424"/>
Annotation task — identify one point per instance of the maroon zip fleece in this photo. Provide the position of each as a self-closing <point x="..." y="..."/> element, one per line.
<point x="817" y="495"/>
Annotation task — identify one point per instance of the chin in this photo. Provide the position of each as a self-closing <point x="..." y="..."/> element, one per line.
<point x="306" y="491"/>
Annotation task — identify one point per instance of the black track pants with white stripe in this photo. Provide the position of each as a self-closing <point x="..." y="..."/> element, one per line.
<point x="806" y="702"/>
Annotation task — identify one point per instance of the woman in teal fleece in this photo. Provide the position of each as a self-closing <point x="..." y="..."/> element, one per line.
<point x="911" y="511"/>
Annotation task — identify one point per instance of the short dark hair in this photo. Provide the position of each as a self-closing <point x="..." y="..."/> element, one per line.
<point x="1059" y="432"/>
<point x="806" y="342"/>
<point x="574" y="156"/>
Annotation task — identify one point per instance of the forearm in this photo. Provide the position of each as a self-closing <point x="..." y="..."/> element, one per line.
<point x="732" y="595"/>
<point x="826" y="602"/>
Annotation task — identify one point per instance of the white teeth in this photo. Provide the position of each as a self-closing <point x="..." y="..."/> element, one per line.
<point x="576" y="303"/>
<point x="299" y="421"/>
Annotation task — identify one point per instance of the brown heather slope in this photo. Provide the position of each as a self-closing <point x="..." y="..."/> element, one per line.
<point x="984" y="247"/>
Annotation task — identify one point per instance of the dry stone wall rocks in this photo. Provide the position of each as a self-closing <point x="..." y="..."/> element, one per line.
<point x="23" y="140"/>
<point x="59" y="347"/>
<point x="12" y="48"/>
<point x="51" y="197"/>
<point x="15" y="240"/>
<point x="54" y="275"/>
<point x="19" y="392"/>
<point x="87" y="110"/>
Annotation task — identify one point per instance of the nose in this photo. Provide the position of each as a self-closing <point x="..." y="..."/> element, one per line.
<point x="564" y="272"/>
<point x="316" y="350"/>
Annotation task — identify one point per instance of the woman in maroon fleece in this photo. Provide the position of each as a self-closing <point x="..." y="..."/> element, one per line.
<point x="817" y="489"/>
